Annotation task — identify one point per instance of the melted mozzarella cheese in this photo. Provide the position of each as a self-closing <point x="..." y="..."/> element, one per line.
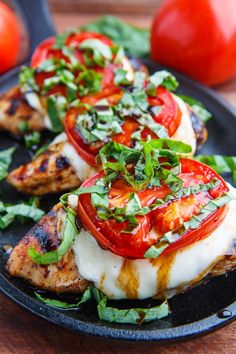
<point x="61" y="138"/>
<point x="185" y="132"/>
<point x="35" y="102"/>
<point x="82" y="168"/>
<point x="119" y="277"/>
<point x="128" y="67"/>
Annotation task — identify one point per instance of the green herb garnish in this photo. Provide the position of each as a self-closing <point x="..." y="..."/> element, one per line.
<point x="198" y="108"/>
<point x="221" y="164"/>
<point x="5" y="161"/>
<point x="87" y="295"/>
<point x="112" y="314"/>
<point x="69" y="235"/>
<point x="134" y="40"/>
<point x="22" y="211"/>
<point x="32" y="139"/>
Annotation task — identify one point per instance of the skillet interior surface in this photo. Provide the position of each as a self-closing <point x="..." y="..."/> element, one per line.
<point x="197" y="311"/>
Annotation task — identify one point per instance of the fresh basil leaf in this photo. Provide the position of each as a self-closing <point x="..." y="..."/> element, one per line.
<point x="87" y="296"/>
<point x="158" y="248"/>
<point x="69" y="236"/>
<point x="198" y="108"/>
<point x="121" y="77"/>
<point x="5" y="161"/>
<point x="161" y="78"/>
<point x="60" y="39"/>
<point x="21" y="211"/>
<point x="134" y="40"/>
<point x="221" y="164"/>
<point x="23" y="127"/>
<point x="32" y="139"/>
<point x="41" y="150"/>
<point x="131" y="316"/>
<point x="54" y="115"/>
<point x="176" y="146"/>
<point x="6" y="220"/>
<point x="28" y="211"/>
<point x="102" y="53"/>
<point x="27" y="79"/>
<point x="139" y="80"/>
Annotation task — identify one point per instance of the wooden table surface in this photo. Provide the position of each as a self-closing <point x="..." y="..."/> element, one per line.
<point x="24" y="333"/>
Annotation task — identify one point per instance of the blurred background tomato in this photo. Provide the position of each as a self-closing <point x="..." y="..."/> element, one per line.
<point x="197" y="38"/>
<point x="9" y="38"/>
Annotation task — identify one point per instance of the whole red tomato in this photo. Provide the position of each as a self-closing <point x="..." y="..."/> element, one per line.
<point x="9" y="38"/>
<point x="197" y="38"/>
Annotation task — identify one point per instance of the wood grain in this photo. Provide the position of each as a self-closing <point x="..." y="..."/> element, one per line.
<point x="24" y="333"/>
<point x="133" y="7"/>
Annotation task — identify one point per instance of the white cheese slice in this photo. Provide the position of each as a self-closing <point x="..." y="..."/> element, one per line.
<point x="120" y="278"/>
<point x="185" y="132"/>
<point x="34" y="101"/>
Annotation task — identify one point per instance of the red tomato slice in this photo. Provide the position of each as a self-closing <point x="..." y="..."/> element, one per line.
<point x="110" y="233"/>
<point x="87" y="152"/>
<point x="169" y="116"/>
<point x="45" y="49"/>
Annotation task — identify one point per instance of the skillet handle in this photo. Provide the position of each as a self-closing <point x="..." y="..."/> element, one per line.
<point x="37" y="19"/>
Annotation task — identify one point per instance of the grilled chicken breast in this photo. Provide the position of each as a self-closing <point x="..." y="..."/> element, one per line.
<point x="15" y="110"/>
<point x="61" y="168"/>
<point x="65" y="276"/>
<point x="51" y="172"/>
<point x="60" y="277"/>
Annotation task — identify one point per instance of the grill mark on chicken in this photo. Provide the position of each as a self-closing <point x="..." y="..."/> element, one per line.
<point x="64" y="276"/>
<point x="62" y="162"/>
<point x="51" y="172"/>
<point x="44" y="165"/>
<point x="199" y="129"/>
<point x="59" y="277"/>
<point x="15" y="109"/>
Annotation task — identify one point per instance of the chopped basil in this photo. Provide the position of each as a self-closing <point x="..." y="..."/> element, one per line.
<point x="157" y="249"/>
<point x="134" y="40"/>
<point x="209" y="208"/>
<point x="161" y="78"/>
<point x="87" y="295"/>
<point x="41" y="150"/>
<point x="60" y="39"/>
<point x="132" y="315"/>
<point x="221" y="164"/>
<point x="5" y="161"/>
<point x="32" y="139"/>
<point x="112" y="314"/>
<point x="148" y="172"/>
<point x="88" y="81"/>
<point x="121" y="77"/>
<point x="21" y="211"/>
<point x="23" y="127"/>
<point x="69" y="235"/>
<point x="27" y="79"/>
<point x="198" y="108"/>
<point x="53" y="109"/>
<point x="102" y="53"/>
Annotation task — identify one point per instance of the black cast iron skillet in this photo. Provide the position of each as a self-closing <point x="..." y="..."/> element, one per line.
<point x="200" y="310"/>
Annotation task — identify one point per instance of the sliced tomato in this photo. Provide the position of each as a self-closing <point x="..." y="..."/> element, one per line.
<point x="169" y="115"/>
<point x="45" y="49"/>
<point x="86" y="151"/>
<point x="209" y="225"/>
<point x="110" y="233"/>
